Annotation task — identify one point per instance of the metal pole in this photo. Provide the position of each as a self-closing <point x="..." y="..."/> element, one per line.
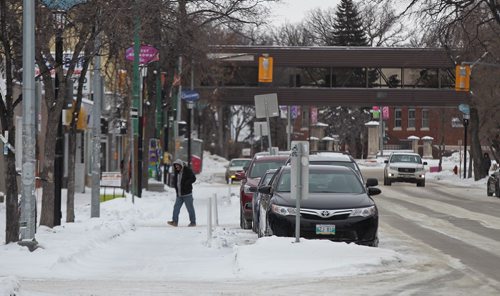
<point x="135" y="98"/>
<point x="268" y="129"/>
<point x="28" y="205"/>
<point x="96" y="135"/>
<point x="261" y="135"/>
<point x="178" y="108"/>
<point x="288" y="127"/>
<point x="59" y="153"/>
<point x="466" y="122"/>
<point x="140" y="135"/>
<point x="298" y="198"/>
<point x="381" y="136"/>
<point x="190" y="108"/>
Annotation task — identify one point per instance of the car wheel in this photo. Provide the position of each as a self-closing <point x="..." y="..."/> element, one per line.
<point x="262" y="222"/>
<point x="244" y="223"/>
<point x="488" y="192"/>
<point x="421" y="183"/>
<point x="255" y="224"/>
<point x="374" y="243"/>
<point x="497" y="190"/>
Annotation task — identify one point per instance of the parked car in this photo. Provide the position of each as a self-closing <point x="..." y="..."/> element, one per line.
<point x="339" y="207"/>
<point x="404" y="167"/>
<point x="235" y="166"/>
<point x="264" y="180"/>
<point x="493" y="184"/>
<point x="250" y="178"/>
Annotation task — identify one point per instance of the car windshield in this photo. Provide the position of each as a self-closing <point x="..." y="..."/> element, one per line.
<point x="406" y="158"/>
<point x="259" y="168"/>
<point x="239" y="162"/>
<point x="325" y="182"/>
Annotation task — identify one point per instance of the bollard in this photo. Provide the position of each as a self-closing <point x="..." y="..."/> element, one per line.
<point x="209" y="219"/>
<point x="216" y="210"/>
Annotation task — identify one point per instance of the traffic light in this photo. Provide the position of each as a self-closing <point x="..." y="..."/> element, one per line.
<point x="104" y="126"/>
<point x="462" y="78"/>
<point x="265" y="69"/>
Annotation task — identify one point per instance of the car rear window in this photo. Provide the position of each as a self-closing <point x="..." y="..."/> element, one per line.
<point x="325" y="182"/>
<point x="259" y="168"/>
<point x="339" y="163"/>
<point x="239" y="162"/>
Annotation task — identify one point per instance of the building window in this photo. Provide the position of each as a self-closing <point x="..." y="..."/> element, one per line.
<point x="425" y="118"/>
<point x="411" y="118"/>
<point x="397" y="118"/>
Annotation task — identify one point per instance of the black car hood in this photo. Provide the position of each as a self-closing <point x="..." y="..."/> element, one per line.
<point x="325" y="200"/>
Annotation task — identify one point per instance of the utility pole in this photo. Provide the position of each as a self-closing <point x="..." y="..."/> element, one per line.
<point x="135" y="98"/>
<point x="28" y="204"/>
<point x="96" y="134"/>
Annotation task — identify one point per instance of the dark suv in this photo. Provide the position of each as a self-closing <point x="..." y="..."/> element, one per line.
<point x="250" y="178"/>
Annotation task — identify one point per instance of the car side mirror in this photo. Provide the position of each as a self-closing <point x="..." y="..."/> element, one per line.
<point x="240" y="175"/>
<point x="374" y="191"/>
<point x="370" y="182"/>
<point x="265" y="189"/>
<point x="386" y="161"/>
<point x="425" y="162"/>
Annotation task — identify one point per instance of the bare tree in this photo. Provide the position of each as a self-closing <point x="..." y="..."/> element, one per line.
<point x="470" y="30"/>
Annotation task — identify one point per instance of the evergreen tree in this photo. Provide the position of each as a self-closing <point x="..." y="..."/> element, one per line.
<point x="348" y="122"/>
<point x="348" y="27"/>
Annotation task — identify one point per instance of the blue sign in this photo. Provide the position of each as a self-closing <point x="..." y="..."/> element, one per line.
<point x="63" y="5"/>
<point x="190" y="95"/>
<point x="464" y="108"/>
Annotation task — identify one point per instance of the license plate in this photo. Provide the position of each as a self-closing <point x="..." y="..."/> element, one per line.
<point x="328" y="229"/>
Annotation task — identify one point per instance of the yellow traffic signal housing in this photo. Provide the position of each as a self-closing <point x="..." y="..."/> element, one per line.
<point x="462" y="78"/>
<point x="266" y="69"/>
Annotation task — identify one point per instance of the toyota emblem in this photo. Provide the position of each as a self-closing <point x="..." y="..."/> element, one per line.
<point x="325" y="213"/>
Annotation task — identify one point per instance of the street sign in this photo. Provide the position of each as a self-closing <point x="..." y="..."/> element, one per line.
<point x="147" y="54"/>
<point x="464" y="108"/>
<point x="190" y="95"/>
<point x="266" y="105"/>
<point x="260" y="128"/>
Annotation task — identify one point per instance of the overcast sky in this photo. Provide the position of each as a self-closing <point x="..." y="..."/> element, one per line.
<point x="293" y="11"/>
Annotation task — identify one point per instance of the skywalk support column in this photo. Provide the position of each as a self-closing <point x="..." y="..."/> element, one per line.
<point x="373" y="138"/>
<point x="414" y="143"/>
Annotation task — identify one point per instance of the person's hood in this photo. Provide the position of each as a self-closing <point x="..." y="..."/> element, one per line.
<point x="179" y="162"/>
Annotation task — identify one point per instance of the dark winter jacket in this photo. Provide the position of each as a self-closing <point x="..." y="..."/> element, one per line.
<point x="187" y="179"/>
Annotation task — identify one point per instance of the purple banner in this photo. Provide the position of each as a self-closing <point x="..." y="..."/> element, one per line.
<point x="147" y="54"/>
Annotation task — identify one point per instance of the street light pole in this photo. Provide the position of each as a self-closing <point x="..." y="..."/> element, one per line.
<point x="59" y="153"/>
<point x="466" y="123"/>
<point x="28" y="205"/>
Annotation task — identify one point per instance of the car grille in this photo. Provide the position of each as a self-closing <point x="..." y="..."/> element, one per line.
<point x="406" y="170"/>
<point x="325" y="214"/>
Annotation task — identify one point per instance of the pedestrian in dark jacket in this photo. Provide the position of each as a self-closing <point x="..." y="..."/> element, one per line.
<point x="486" y="164"/>
<point x="183" y="180"/>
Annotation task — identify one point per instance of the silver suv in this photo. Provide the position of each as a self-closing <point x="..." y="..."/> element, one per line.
<point x="404" y="167"/>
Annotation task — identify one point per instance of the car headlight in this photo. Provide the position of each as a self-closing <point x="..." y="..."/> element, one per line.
<point x="419" y="169"/>
<point x="284" y="211"/>
<point x="393" y="168"/>
<point x="364" y="212"/>
<point x="246" y="189"/>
